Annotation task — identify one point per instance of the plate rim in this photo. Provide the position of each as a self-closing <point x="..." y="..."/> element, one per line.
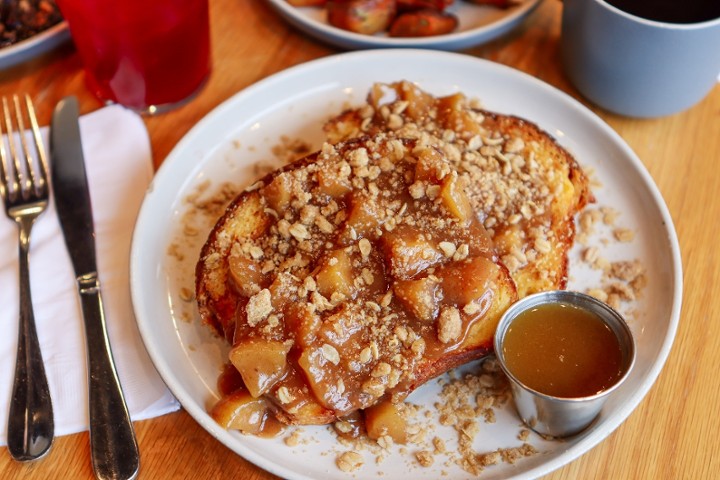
<point x="570" y="454"/>
<point x="452" y="41"/>
<point x="33" y="46"/>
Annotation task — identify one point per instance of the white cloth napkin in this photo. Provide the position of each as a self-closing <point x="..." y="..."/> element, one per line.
<point x="119" y="169"/>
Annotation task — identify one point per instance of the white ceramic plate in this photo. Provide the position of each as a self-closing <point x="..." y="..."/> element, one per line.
<point x="478" y="24"/>
<point x="241" y="133"/>
<point x="34" y="46"/>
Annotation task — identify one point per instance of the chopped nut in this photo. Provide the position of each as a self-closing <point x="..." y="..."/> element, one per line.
<point x="461" y="253"/>
<point x="471" y="308"/>
<point x="259" y="307"/>
<point x="365" y="355"/>
<point x="293" y="440"/>
<point x="449" y="325"/>
<point x="186" y="294"/>
<point x="448" y="248"/>
<point x="624" y="234"/>
<point x="330" y="354"/>
<point x="417" y="190"/>
<point x="365" y="247"/>
<point x="418" y="347"/>
<point x="381" y="369"/>
<point x="349" y="461"/>
<point x="283" y="394"/>
<point x="425" y="458"/>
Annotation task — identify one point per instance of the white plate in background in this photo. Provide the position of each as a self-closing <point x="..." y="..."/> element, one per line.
<point x="240" y="133"/>
<point x="36" y="45"/>
<point x="478" y="24"/>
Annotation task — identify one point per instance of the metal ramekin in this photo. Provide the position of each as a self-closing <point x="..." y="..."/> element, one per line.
<point x="556" y="416"/>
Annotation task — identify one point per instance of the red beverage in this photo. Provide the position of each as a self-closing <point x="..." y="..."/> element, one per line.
<point x="146" y="55"/>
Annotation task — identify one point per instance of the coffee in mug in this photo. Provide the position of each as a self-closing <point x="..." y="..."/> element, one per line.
<point x="670" y="11"/>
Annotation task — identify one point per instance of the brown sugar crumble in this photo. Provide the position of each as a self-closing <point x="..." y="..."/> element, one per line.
<point x="622" y="281"/>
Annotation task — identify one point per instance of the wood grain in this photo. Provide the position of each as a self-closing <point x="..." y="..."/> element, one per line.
<point x="673" y="432"/>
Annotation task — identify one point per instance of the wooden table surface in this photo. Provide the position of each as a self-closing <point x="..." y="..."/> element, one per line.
<point x="674" y="433"/>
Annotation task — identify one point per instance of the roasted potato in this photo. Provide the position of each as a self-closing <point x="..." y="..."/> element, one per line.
<point x="423" y="23"/>
<point x="403" y="5"/>
<point x="361" y="16"/>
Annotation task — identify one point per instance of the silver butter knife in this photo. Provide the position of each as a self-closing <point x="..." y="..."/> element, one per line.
<point x="114" y="449"/>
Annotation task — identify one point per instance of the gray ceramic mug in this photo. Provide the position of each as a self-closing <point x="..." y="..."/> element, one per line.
<point x="638" y="67"/>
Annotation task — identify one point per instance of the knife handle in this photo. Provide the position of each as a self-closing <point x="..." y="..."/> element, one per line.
<point x="114" y="449"/>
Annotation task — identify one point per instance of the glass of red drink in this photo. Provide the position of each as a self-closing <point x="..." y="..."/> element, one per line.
<point x="147" y="55"/>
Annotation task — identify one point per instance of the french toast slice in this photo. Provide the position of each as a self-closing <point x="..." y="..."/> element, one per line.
<point x="524" y="186"/>
<point x="350" y="277"/>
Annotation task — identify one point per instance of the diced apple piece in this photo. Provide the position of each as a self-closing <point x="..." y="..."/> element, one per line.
<point x="466" y="282"/>
<point x="508" y="239"/>
<point x="453" y="197"/>
<point x="386" y="418"/>
<point x="335" y="181"/>
<point x="451" y="103"/>
<point x="310" y="412"/>
<point x="246" y="275"/>
<point x="240" y="411"/>
<point x="325" y="383"/>
<point x="479" y="241"/>
<point x="453" y="115"/>
<point x="339" y="327"/>
<point x="350" y="426"/>
<point x="279" y="192"/>
<point x="408" y="252"/>
<point x="376" y="270"/>
<point x="419" y="101"/>
<point x="363" y="217"/>
<point x="261" y="363"/>
<point x="426" y="168"/>
<point x="303" y="320"/>
<point x="283" y="290"/>
<point x="292" y="395"/>
<point x="336" y="275"/>
<point x="420" y="297"/>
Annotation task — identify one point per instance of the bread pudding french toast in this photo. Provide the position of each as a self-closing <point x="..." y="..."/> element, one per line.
<point x="348" y="278"/>
<point x="523" y="185"/>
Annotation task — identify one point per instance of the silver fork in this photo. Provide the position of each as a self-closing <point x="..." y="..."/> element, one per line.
<point x="24" y="190"/>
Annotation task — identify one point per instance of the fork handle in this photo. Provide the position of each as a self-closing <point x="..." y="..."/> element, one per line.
<point x="114" y="449"/>
<point x="30" y="422"/>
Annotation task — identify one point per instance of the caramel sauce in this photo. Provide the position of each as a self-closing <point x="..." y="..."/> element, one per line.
<point x="562" y="350"/>
<point x="229" y="380"/>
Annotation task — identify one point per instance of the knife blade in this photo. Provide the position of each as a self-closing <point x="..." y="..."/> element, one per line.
<point x="114" y="449"/>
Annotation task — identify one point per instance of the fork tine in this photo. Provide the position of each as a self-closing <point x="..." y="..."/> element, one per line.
<point x="13" y="166"/>
<point x="28" y="175"/>
<point x="42" y="183"/>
